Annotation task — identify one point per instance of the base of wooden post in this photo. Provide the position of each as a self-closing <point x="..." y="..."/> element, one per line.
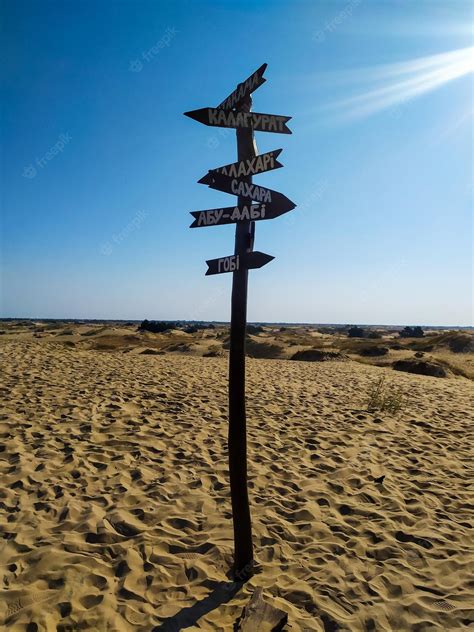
<point x="260" y="616"/>
<point x="243" y="574"/>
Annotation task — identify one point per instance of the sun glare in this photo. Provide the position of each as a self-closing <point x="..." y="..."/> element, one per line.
<point x="401" y="82"/>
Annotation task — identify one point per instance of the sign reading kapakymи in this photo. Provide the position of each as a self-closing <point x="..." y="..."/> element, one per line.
<point x="244" y="89"/>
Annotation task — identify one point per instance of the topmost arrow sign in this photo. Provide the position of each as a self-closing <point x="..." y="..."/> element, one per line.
<point x="244" y="89"/>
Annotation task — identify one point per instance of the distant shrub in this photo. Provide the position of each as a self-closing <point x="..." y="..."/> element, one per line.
<point x="211" y="326"/>
<point x="374" y="350"/>
<point x="214" y="352"/>
<point x="461" y="343"/>
<point x="412" y="332"/>
<point x="191" y="330"/>
<point x="355" y="332"/>
<point x="317" y="355"/>
<point x="156" y="326"/>
<point x="283" y="328"/>
<point x="374" y="335"/>
<point x="383" y="397"/>
<point x="254" y="329"/>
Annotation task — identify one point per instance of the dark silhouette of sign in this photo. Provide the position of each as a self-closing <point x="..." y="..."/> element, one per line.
<point x="236" y="179"/>
<point x="244" y="89"/>
<point x="250" y="167"/>
<point x="232" y="263"/>
<point x="250" y="191"/>
<point x="241" y="120"/>
<point x="234" y="214"/>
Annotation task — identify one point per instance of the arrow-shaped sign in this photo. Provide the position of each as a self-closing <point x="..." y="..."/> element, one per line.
<point x="253" y="192"/>
<point x="234" y="214"/>
<point x="243" y="89"/>
<point x="241" y="120"/>
<point x="249" y="260"/>
<point x="249" y="167"/>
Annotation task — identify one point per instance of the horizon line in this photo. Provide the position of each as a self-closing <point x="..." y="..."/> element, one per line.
<point x="227" y="322"/>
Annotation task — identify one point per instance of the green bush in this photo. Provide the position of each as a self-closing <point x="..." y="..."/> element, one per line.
<point x="157" y="327"/>
<point x="412" y="332"/>
<point x="384" y="398"/>
<point x="355" y="332"/>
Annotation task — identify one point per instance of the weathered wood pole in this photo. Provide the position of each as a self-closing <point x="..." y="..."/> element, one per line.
<point x="237" y="443"/>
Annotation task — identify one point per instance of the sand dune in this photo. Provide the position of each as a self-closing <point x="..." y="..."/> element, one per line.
<point x="115" y="510"/>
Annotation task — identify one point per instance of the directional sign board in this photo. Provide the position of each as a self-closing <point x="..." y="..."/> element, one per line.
<point x="244" y="89"/>
<point x="253" y="203"/>
<point x="253" y="192"/>
<point x="232" y="263"/>
<point x="241" y="120"/>
<point x="250" y="167"/>
<point x="234" y="214"/>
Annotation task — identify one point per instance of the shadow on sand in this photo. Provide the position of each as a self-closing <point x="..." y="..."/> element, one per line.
<point x="222" y="593"/>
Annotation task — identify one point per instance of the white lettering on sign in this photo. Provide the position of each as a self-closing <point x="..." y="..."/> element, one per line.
<point x="257" y="212"/>
<point x="209" y="218"/>
<point x="246" y="213"/>
<point x="242" y="89"/>
<point x="249" y="167"/>
<point x="252" y="191"/>
<point x="262" y="122"/>
<point x="228" y="264"/>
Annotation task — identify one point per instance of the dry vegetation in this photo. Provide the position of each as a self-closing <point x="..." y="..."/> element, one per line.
<point x="438" y="353"/>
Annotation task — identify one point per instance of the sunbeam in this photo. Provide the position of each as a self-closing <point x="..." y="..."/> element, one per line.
<point x="417" y="77"/>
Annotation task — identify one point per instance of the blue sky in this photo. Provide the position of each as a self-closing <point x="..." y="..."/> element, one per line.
<point x="100" y="167"/>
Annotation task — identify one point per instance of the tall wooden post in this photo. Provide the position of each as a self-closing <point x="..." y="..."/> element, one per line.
<point x="236" y="179"/>
<point x="244" y="231"/>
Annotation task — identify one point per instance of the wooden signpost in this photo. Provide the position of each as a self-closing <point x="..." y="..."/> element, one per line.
<point x="249" y="191"/>
<point x="241" y="120"/>
<point x="234" y="214"/>
<point x="232" y="263"/>
<point x="254" y="203"/>
<point x="251" y="167"/>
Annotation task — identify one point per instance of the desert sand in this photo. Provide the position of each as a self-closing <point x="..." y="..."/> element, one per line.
<point x="115" y="508"/>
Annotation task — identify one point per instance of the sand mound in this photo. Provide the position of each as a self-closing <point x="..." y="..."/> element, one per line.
<point x="373" y="351"/>
<point x="420" y="367"/>
<point x="257" y="349"/>
<point x="317" y="355"/>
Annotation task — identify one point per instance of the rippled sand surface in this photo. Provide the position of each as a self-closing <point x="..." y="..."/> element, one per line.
<point x="115" y="510"/>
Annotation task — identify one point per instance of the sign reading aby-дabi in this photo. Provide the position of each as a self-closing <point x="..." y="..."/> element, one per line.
<point x="234" y="214"/>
